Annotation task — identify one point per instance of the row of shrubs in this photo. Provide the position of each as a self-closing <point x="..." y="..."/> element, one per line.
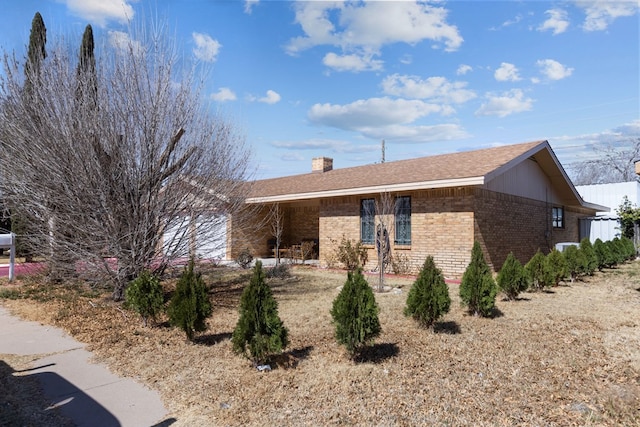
<point x="260" y="332"/>
<point x="543" y="271"/>
<point x="356" y="314"/>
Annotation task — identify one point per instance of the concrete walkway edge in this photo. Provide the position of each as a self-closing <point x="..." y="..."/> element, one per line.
<point x="88" y="393"/>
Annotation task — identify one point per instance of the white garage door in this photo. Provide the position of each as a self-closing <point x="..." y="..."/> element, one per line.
<point x="210" y="237"/>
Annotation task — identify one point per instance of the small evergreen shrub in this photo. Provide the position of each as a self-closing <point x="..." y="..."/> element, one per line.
<point x="355" y="314"/>
<point x="589" y="258"/>
<point x="428" y="298"/>
<point x="629" y="248"/>
<point x="538" y="272"/>
<point x="352" y="254"/>
<point x="512" y="278"/>
<point x="478" y="290"/>
<point x="601" y="251"/>
<point x="557" y="266"/>
<point x="190" y="306"/>
<point x="244" y="258"/>
<point x="619" y="252"/>
<point x="575" y="260"/>
<point x="259" y="333"/>
<point x="611" y="258"/>
<point x="145" y="296"/>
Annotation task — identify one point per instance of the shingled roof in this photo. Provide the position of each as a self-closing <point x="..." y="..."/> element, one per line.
<point x="440" y="171"/>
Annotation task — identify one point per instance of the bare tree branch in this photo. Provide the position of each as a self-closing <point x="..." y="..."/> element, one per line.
<point x="614" y="164"/>
<point x="121" y="180"/>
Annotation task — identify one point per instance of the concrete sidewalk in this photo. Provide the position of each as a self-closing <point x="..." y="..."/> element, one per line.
<point x="87" y="393"/>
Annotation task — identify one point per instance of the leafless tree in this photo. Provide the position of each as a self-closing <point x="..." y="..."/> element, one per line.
<point x="123" y="179"/>
<point x="615" y="163"/>
<point x="385" y="206"/>
<point x="277" y="228"/>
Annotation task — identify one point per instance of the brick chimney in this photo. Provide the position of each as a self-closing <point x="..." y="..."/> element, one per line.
<point x="321" y="164"/>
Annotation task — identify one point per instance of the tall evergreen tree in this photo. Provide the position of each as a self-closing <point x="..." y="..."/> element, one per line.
<point x="87" y="81"/>
<point x="512" y="278"/>
<point x="259" y="332"/>
<point x="590" y="258"/>
<point x="539" y="272"/>
<point x="478" y="290"/>
<point x="575" y="260"/>
<point x="36" y="55"/>
<point x="601" y="252"/>
<point x="190" y="306"/>
<point x="37" y="51"/>
<point x="557" y="266"/>
<point x="428" y="298"/>
<point x="355" y="313"/>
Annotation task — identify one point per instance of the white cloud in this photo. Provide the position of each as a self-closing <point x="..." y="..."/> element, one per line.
<point x="365" y="27"/>
<point x="406" y="59"/>
<point x="513" y="21"/>
<point x="324" y="145"/>
<point x="223" y="94"/>
<point x="505" y="104"/>
<point x="557" y="21"/>
<point x="553" y="70"/>
<point x="437" y="89"/>
<point x="292" y="157"/>
<point x="507" y="72"/>
<point x="272" y="97"/>
<point x="353" y="62"/>
<point x="99" y="12"/>
<point x="416" y="134"/>
<point x="207" y="48"/>
<point x="578" y="148"/>
<point x="249" y="5"/>
<point x="463" y="69"/>
<point x="373" y="112"/>
<point x="121" y="41"/>
<point x="601" y="13"/>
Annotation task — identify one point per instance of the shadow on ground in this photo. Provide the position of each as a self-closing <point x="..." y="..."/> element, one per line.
<point x="450" y="327"/>
<point x="377" y="353"/>
<point x="24" y="403"/>
<point x="212" y="339"/>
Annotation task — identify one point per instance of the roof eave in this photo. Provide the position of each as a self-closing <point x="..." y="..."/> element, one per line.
<point x="597" y="208"/>
<point x="395" y="188"/>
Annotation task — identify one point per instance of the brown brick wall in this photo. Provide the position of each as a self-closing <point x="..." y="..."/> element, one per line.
<point x="254" y="229"/>
<point x="444" y="224"/>
<point x="303" y="223"/>
<point x="441" y="225"/>
<point x="507" y="223"/>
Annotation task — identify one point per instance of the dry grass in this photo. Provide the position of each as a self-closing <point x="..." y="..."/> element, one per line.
<point x="567" y="357"/>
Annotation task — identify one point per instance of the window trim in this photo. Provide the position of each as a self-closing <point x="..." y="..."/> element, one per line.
<point x="368" y="221"/>
<point x="402" y="220"/>
<point x="557" y="221"/>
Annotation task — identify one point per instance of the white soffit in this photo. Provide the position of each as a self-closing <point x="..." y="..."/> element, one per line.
<point x="409" y="186"/>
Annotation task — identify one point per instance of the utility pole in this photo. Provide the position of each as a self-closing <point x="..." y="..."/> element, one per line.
<point x="382" y="151"/>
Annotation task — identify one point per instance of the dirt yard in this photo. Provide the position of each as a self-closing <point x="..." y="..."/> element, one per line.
<point x="570" y="356"/>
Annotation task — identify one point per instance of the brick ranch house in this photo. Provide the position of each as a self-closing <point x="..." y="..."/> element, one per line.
<point x="509" y="198"/>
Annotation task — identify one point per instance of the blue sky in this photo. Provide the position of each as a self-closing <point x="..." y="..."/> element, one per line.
<point x="319" y="78"/>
